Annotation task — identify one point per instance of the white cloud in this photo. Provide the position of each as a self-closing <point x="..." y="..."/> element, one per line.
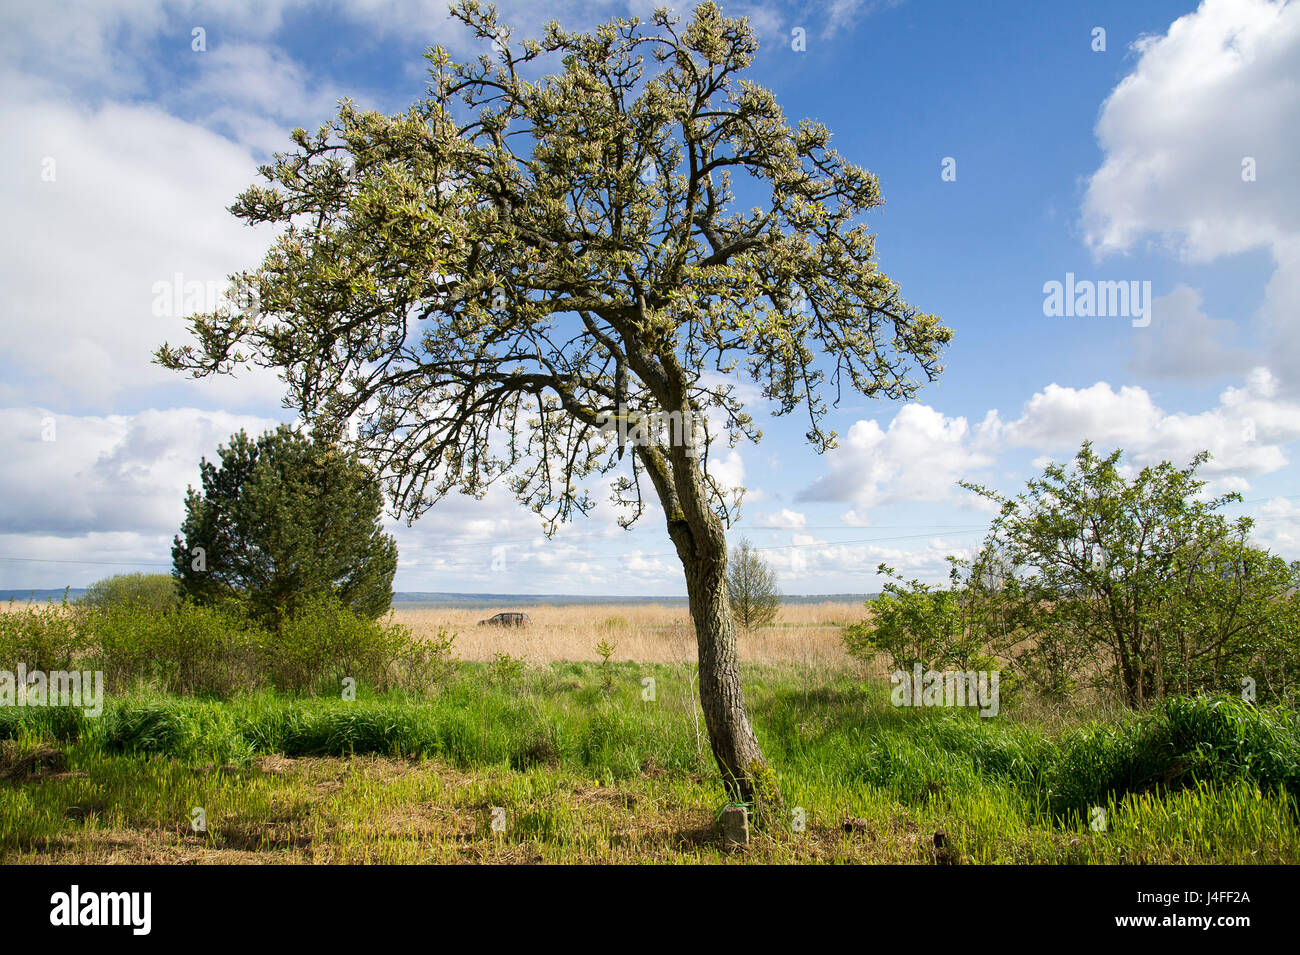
<point x="729" y="471"/>
<point x="920" y="456"/>
<point x="1245" y="432"/>
<point x="844" y="15"/>
<point x="923" y="453"/>
<point x="1218" y="87"/>
<point x="105" y="488"/>
<point x="784" y="518"/>
<point x="1184" y="343"/>
<point x="814" y="565"/>
<point x="1214" y="92"/>
<point x="137" y="197"/>
<point x="1277" y="526"/>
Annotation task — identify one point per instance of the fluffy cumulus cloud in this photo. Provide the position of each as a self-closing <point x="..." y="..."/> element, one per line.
<point x="920" y="456"/>
<point x="812" y="564"/>
<point x="1278" y="526"/>
<point x="80" y="492"/>
<point x="784" y="518"/>
<point x="64" y="475"/>
<point x="1200" y="141"/>
<point x="1246" y="432"/>
<point x="923" y="453"/>
<point x="104" y="204"/>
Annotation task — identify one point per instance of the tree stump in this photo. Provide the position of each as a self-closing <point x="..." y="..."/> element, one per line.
<point x="735" y="827"/>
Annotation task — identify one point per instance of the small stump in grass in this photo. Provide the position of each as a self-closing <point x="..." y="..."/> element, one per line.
<point x="943" y="853"/>
<point x="735" y="827"/>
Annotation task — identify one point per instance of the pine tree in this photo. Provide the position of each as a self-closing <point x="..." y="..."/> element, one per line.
<point x="280" y="519"/>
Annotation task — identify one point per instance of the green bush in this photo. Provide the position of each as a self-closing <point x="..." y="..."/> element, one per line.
<point x="324" y="642"/>
<point x="1132" y="580"/>
<point x="189" y="649"/>
<point x="421" y="665"/>
<point x="958" y="628"/>
<point x="913" y="623"/>
<point x="155" y="592"/>
<point x="40" y="636"/>
<point x="506" y="669"/>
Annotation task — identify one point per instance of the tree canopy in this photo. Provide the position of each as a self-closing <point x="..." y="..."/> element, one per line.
<point x="559" y="248"/>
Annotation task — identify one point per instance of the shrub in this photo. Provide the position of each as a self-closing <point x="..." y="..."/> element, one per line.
<point x="938" y="628"/>
<point x="506" y="669"/>
<point x="325" y="641"/>
<point x="1140" y="584"/>
<point x="41" y="636"/>
<point x="190" y="649"/>
<point x="421" y="665"/>
<point x="155" y="592"/>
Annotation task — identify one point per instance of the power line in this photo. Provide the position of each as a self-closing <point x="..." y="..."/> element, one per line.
<point x="60" y="560"/>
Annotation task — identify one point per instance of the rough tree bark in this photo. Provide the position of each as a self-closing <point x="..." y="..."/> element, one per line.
<point x="701" y="543"/>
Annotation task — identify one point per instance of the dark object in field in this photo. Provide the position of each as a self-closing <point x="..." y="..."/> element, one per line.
<point x="19" y="767"/>
<point x="855" y="825"/>
<point x="943" y="853"/>
<point x="507" y="620"/>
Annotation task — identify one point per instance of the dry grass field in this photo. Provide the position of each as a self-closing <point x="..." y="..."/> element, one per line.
<point x="807" y="634"/>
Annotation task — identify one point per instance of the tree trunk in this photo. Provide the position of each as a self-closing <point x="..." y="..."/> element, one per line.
<point x="731" y="737"/>
<point x="701" y="544"/>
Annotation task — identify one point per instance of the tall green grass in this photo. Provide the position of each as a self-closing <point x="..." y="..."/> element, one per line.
<point x="844" y="735"/>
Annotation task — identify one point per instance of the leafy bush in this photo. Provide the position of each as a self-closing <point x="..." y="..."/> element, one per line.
<point x="941" y="629"/>
<point x="506" y="669"/>
<point x="914" y="623"/>
<point x="1140" y="585"/>
<point x="40" y="636"/>
<point x="189" y="649"/>
<point x="421" y="665"/>
<point x="325" y="641"/>
<point x="155" y="592"/>
<point x="321" y="641"/>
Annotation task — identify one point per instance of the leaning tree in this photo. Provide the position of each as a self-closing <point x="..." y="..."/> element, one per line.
<point x="513" y="277"/>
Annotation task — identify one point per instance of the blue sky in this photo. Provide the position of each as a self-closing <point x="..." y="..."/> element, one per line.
<point x="127" y="144"/>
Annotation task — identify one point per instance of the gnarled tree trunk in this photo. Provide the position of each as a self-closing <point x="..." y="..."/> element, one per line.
<point x="701" y="543"/>
<point x="730" y="734"/>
